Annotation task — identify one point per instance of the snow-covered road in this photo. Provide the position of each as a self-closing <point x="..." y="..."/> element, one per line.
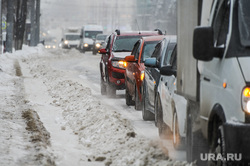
<point x="83" y="127"/>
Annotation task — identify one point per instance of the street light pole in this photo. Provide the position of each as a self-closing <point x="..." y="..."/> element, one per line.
<point x="37" y="21"/>
<point x="1" y="33"/>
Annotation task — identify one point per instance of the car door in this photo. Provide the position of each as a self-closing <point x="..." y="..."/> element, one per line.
<point x="105" y="57"/>
<point x="131" y="68"/>
<point x="168" y="84"/>
<point x="154" y="75"/>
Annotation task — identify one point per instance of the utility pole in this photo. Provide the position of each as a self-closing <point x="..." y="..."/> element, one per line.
<point x="1" y="33"/>
<point x="33" y="24"/>
<point x="37" y="38"/>
<point x="10" y="25"/>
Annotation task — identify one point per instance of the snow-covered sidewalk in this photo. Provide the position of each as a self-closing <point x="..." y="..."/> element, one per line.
<point x="77" y="129"/>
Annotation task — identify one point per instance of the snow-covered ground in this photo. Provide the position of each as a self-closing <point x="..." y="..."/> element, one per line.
<point x="51" y="115"/>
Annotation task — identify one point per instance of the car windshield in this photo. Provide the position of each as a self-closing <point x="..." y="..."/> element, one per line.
<point x="148" y="49"/>
<point x="244" y="22"/>
<point x="72" y="37"/>
<point x="92" y="34"/>
<point x="125" y="43"/>
<point x="101" y="37"/>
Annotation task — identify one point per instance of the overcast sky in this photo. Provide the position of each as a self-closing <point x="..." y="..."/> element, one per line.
<point x="111" y="14"/>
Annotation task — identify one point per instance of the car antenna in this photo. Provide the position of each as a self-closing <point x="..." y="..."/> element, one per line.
<point x="138" y="26"/>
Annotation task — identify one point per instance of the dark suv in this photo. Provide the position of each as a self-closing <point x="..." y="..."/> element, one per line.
<point x="112" y="64"/>
<point x="153" y="75"/>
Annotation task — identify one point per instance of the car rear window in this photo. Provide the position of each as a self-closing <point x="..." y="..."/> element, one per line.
<point x="148" y="49"/>
<point x="125" y="43"/>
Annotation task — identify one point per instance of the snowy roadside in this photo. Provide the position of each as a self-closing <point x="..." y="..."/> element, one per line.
<point x="104" y="135"/>
<point x="23" y="140"/>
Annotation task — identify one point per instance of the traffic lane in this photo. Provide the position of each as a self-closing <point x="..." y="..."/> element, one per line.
<point x="85" y="69"/>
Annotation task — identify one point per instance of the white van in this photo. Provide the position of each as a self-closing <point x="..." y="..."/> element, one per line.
<point x="213" y="74"/>
<point x="88" y="35"/>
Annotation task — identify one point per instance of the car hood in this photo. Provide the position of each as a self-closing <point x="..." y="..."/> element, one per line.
<point x="99" y="41"/>
<point x="88" y="41"/>
<point x="121" y="54"/>
<point x="245" y="67"/>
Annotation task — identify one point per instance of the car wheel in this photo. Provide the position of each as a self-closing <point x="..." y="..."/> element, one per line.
<point x="129" y="100"/>
<point x="196" y="144"/>
<point x="111" y="91"/>
<point x="218" y="147"/>
<point x="103" y="88"/>
<point x="163" y="129"/>
<point x="146" y="114"/>
<point x="178" y="141"/>
<point x="138" y="103"/>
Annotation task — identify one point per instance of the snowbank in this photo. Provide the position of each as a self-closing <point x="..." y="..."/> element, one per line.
<point x="105" y="135"/>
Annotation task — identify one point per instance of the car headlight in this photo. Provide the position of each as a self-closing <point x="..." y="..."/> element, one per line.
<point x="246" y="99"/>
<point x="66" y="42"/>
<point x="97" y="45"/>
<point x="118" y="64"/>
<point x="85" y="45"/>
<point x="142" y="75"/>
<point x="54" y="46"/>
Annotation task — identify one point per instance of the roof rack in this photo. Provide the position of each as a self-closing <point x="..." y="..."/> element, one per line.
<point x="118" y="31"/>
<point x="159" y="31"/>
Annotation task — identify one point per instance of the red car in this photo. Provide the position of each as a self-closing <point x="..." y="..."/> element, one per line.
<point x="134" y="74"/>
<point x="112" y="69"/>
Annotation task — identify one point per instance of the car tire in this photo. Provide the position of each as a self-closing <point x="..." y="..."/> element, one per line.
<point x="218" y="146"/>
<point x="111" y="91"/>
<point x="163" y="130"/>
<point x="178" y="141"/>
<point x="103" y="88"/>
<point x="146" y="114"/>
<point x="195" y="142"/>
<point x="129" y="100"/>
<point x="138" y="103"/>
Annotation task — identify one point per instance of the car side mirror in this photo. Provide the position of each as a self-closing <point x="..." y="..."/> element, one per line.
<point x="150" y="62"/>
<point x="130" y="58"/>
<point x="203" y="48"/>
<point x="102" y="51"/>
<point x="167" y="71"/>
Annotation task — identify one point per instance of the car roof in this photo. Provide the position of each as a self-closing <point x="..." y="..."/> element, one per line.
<point x="153" y="38"/>
<point x="101" y="34"/>
<point x="138" y="33"/>
<point x="171" y="38"/>
<point x="72" y="34"/>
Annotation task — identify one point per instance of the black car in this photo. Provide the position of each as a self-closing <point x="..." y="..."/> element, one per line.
<point x="152" y="76"/>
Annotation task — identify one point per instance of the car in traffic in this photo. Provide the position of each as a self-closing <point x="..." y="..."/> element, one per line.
<point x="99" y="43"/>
<point x="112" y="69"/>
<point x="170" y="108"/>
<point x="152" y="76"/>
<point x="70" y="40"/>
<point x="88" y="35"/>
<point x="134" y="74"/>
